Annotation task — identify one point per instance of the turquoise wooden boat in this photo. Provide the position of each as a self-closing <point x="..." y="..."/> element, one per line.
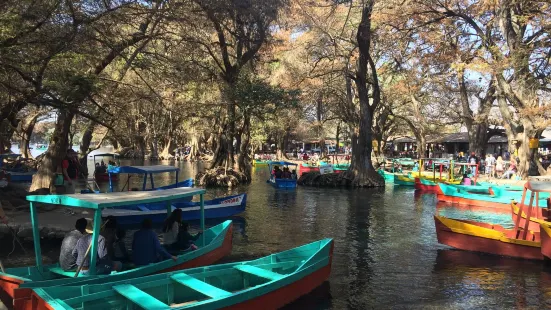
<point x="16" y="283"/>
<point x="388" y="176"/>
<point x="265" y="283"/>
<point x="404" y="180"/>
<point x="482" y="196"/>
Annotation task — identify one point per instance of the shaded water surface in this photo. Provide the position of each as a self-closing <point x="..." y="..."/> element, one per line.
<point x="386" y="254"/>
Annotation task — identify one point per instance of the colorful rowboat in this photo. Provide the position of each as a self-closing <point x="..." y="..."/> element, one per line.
<point x="428" y="185"/>
<point x="388" y="176"/>
<point x="270" y="282"/>
<point x="490" y="197"/>
<point x="403" y="179"/>
<point x="281" y="183"/>
<point x="15" y="283"/>
<point x="488" y="238"/>
<point x="260" y="163"/>
<point x="307" y="168"/>
<point x="216" y="208"/>
<point x="339" y="168"/>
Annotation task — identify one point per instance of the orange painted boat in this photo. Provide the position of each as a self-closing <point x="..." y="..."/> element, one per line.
<point x="488" y="238"/>
<point x="16" y="284"/>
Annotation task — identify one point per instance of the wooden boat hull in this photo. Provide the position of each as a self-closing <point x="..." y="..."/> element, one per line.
<point x="17" y="290"/>
<point x="283" y="183"/>
<point x="307" y="169"/>
<point x="217" y="208"/>
<point x="104" y="177"/>
<point x="260" y="163"/>
<point x="403" y="180"/>
<point x="545" y="230"/>
<point x="485" y="238"/>
<point x="20" y="177"/>
<point x="266" y="283"/>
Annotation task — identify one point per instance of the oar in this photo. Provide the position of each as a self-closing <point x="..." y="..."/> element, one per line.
<point x="87" y="252"/>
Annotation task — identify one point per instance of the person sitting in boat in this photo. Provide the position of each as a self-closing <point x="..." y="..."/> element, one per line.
<point x="286" y="174"/>
<point x="146" y="248"/>
<point x="171" y="228"/>
<point x="294" y="175"/>
<point x="119" y="247"/>
<point x="466" y="180"/>
<point x="305" y="156"/>
<point x="66" y="259"/>
<point x="277" y="172"/>
<point x="185" y="239"/>
<point x="111" y="165"/>
<point x="109" y="232"/>
<point x="104" y="265"/>
<point x="415" y="167"/>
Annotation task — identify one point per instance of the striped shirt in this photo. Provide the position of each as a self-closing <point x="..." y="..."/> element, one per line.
<point x="82" y="247"/>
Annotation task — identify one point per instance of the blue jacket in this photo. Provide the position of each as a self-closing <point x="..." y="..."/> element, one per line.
<point x="146" y="248"/>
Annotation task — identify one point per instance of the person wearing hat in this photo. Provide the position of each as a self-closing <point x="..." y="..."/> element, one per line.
<point x="70" y="171"/>
<point x="66" y="259"/>
<point x="104" y="265"/>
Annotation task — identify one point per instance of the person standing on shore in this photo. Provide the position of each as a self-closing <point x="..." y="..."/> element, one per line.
<point x="70" y="171"/>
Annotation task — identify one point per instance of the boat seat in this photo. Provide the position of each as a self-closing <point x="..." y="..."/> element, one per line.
<point x="143" y="208"/>
<point x="61" y="272"/>
<point x="259" y="272"/>
<point x="199" y="286"/>
<point x="139" y="297"/>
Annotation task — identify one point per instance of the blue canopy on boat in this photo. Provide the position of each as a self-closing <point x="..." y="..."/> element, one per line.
<point x="144" y="169"/>
<point x="281" y="163"/>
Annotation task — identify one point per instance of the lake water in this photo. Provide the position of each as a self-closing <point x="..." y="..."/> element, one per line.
<point x="386" y="254"/>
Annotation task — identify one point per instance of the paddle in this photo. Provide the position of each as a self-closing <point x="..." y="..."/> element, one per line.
<point x="87" y="252"/>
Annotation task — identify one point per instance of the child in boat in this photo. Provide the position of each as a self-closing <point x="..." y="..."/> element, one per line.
<point x="466" y="180"/>
<point x="185" y="239"/>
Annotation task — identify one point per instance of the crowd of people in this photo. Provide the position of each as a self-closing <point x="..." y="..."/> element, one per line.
<point x="111" y="250"/>
<point x="284" y="173"/>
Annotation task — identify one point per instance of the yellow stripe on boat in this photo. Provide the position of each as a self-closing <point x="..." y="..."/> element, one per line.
<point x="477" y="231"/>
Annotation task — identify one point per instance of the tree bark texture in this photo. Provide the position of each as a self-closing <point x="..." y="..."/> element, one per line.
<point x="51" y="162"/>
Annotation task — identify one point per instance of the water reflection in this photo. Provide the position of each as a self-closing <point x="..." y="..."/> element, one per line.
<point x="385" y="255"/>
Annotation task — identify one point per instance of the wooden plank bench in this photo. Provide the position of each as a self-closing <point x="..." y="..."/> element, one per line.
<point x="199" y="286"/>
<point x="259" y="272"/>
<point x="139" y="297"/>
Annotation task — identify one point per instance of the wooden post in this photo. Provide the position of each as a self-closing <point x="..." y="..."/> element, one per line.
<point x="144" y="182"/>
<point x="94" y="242"/>
<point x="528" y="215"/>
<point x="202" y="202"/>
<point x="520" y="209"/>
<point x="36" y="237"/>
<point x="152" y="183"/>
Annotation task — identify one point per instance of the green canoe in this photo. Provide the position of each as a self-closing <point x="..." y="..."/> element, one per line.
<point x="269" y="282"/>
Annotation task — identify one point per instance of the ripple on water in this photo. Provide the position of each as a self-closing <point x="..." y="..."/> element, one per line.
<point x="386" y="254"/>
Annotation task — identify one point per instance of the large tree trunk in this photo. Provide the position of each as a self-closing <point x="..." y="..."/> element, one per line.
<point x="26" y="128"/>
<point x="244" y="161"/>
<point x="194" y="151"/>
<point x="51" y="162"/>
<point x="362" y="167"/>
<point x="85" y="142"/>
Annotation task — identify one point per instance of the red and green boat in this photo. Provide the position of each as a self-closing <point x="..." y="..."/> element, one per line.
<point x="270" y="282"/>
